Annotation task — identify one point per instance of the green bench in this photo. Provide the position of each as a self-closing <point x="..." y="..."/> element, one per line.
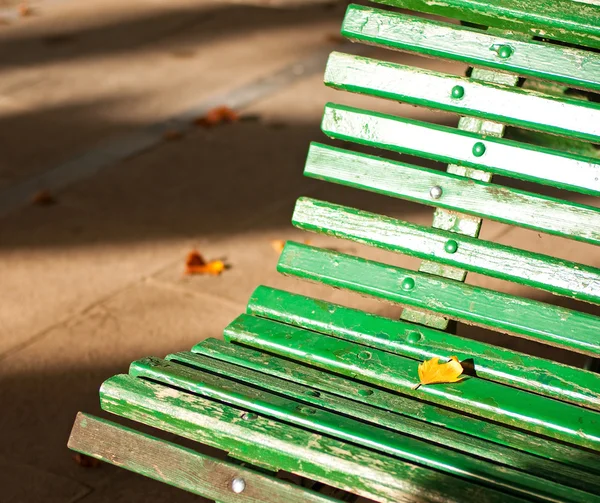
<point x="328" y="393"/>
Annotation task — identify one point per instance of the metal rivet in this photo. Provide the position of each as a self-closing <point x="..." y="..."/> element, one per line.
<point x="408" y="284"/>
<point x="365" y="355"/>
<point x="478" y="149"/>
<point x="413" y="337"/>
<point x="451" y="246"/>
<point x="505" y="51"/>
<point x="238" y="485"/>
<point x="458" y="92"/>
<point x="311" y="392"/>
<point x="365" y="392"/>
<point x="435" y="192"/>
<point x="249" y="416"/>
<point x="306" y="410"/>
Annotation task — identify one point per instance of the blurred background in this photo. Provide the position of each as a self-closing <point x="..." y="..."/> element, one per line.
<point x="111" y="172"/>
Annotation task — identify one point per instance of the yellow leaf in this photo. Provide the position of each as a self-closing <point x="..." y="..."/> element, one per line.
<point x="432" y="371"/>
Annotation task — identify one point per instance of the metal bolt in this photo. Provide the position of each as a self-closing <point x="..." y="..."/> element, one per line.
<point x="365" y="392"/>
<point x="314" y="393"/>
<point x="478" y="149"/>
<point x="248" y="416"/>
<point x="413" y="337"/>
<point x="435" y="192"/>
<point x="458" y="92"/>
<point x="238" y="485"/>
<point x="505" y="51"/>
<point x="408" y="284"/>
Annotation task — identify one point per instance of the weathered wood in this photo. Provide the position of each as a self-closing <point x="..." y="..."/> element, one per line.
<point x="505" y="313"/>
<point x="282" y="446"/>
<point x="178" y="466"/>
<point x="493" y="363"/>
<point x="395" y="30"/>
<point x="392" y="402"/>
<point x="451" y="145"/>
<point x="484" y="257"/>
<point x="406" y="181"/>
<point x="302" y="413"/>
<point x="577" y="22"/>
<point x="518" y="107"/>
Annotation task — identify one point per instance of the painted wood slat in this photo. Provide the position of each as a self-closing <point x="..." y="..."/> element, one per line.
<point x="504" y="313"/>
<point x="178" y="466"/>
<point x="373" y="396"/>
<point x="204" y="382"/>
<point x="485" y="399"/>
<point x="451" y="145"/>
<point x="285" y="447"/>
<point x="406" y="181"/>
<point x="395" y="30"/>
<point x="573" y="21"/>
<point x="519" y="107"/>
<point x="466" y="444"/>
<point x="476" y="255"/>
<point x="544" y="377"/>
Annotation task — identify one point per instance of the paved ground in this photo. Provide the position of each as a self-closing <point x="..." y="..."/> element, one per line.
<point x="95" y="281"/>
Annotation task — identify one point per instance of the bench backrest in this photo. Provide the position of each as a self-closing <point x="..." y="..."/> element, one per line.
<point x="545" y="92"/>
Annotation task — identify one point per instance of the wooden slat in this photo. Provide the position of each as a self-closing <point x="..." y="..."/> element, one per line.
<point x="573" y="21"/>
<point x="391" y="402"/>
<point x="519" y="107"/>
<point x="406" y="181"/>
<point x="505" y="313"/>
<point x="451" y="145"/>
<point x="494" y="363"/>
<point x="394" y="30"/>
<point x="209" y="381"/>
<point x="178" y="466"/>
<point x="476" y="255"/>
<point x="282" y="446"/>
<point x="486" y="399"/>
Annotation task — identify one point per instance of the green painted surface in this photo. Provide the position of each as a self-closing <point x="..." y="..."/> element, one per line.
<point x="180" y="467"/>
<point x="479" y="397"/>
<point x="282" y="446"/>
<point x="494" y="363"/>
<point x="573" y="67"/>
<point x="391" y="402"/>
<point x="573" y="21"/>
<point x="485" y="257"/>
<point x="519" y="107"/>
<point x="451" y="145"/>
<point x="303" y="413"/>
<point x="399" y="179"/>
<point x="528" y="318"/>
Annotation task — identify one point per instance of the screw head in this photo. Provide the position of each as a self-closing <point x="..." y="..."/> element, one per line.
<point x="408" y="284"/>
<point x="435" y="192"/>
<point x="248" y="416"/>
<point x="505" y="51"/>
<point x="478" y="149"/>
<point x="413" y="337"/>
<point x="238" y="485"/>
<point x="365" y="392"/>
<point x="451" y="246"/>
<point x="457" y="92"/>
<point x="311" y="392"/>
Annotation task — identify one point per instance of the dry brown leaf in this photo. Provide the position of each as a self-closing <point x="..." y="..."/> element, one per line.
<point x="217" y="116"/>
<point x="432" y="371"/>
<point x="172" y="134"/>
<point x="43" y="198"/>
<point x="195" y="264"/>
<point x="86" y="461"/>
<point x="278" y="245"/>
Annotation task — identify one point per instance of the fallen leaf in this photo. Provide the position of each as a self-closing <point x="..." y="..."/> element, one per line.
<point x="432" y="371"/>
<point x="86" y="461"/>
<point x="172" y="134"/>
<point x="278" y="245"/>
<point x="195" y="264"/>
<point x="43" y="198"/>
<point x="217" y="116"/>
